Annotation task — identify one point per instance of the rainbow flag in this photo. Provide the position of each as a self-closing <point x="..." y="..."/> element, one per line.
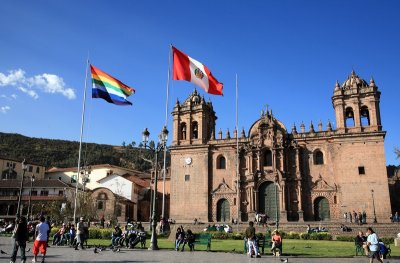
<point x="108" y="88"/>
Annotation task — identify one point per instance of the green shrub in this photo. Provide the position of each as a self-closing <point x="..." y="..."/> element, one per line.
<point x="237" y="236"/>
<point x="320" y="236"/>
<point x="345" y="238"/>
<point x="292" y="235"/>
<point x="388" y="240"/>
<point x="305" y="236"/>
<point x="219" y="235"/>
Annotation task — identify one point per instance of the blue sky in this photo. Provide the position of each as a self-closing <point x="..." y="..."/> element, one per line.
<point x="287" y="54"/>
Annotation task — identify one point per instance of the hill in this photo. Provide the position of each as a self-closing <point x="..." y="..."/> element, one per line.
<point x="62" y="153"/>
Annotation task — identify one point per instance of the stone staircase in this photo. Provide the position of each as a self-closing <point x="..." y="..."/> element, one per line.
<point x="382" y="229"/>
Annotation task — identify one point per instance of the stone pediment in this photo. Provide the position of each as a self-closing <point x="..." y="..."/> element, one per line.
<point x="322" y="186"/>
<point x="223" y="188"/>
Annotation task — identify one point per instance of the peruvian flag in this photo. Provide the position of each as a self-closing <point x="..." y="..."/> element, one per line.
<point x="189" y="69"/>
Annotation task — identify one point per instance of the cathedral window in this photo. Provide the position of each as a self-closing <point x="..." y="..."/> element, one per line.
<point x="100" y="205"/>
<point x="187" y="177"/>
<point x="221" y="162"/>
<point x="183" y="131"/>
<point x="349" y="117"/>
<point x="318" y="157"/>
<point x="195" y="130"/>
<point x="364" y="113"/>
<point x="267" y="158"/>
<point x="361" y="170"/>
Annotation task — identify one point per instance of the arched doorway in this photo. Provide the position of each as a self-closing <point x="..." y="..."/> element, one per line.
<point x="321" y="209"/>
<point x="223" y="211"/>
<point x="268" y="203"/>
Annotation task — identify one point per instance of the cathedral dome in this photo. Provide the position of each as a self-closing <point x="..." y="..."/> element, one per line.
<point x="354" y="80"/>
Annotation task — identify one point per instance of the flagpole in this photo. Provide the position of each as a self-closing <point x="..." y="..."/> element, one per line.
<point x="166" y="124"/>
<point x="80" y="141"/>
<point x="237" y="156"/>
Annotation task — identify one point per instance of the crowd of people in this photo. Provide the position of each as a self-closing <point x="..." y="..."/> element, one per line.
<point x="133" y="233"/>
<point x="354" y="217"/>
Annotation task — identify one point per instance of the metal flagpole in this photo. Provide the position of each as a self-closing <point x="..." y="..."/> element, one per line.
<point x="237" y="157"/>
<point x="80" y="141"/>
<point x="166" y="125"/>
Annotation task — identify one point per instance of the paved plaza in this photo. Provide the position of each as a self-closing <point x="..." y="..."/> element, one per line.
<point x="66" y="254"/>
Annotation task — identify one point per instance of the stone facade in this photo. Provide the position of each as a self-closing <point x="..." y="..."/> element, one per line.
<point x="288" y="176"/>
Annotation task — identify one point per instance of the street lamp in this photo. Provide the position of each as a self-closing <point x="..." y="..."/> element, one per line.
<point x="24" y="168"/>
<point x="30" y="198"/>
<point x="161" y="146"/>
<point x="373" y="204"/>
<point x="276" y="205"/>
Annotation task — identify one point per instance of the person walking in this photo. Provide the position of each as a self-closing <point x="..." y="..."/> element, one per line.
<point x="20" y="238"/>
<point x="251" y="239"/>
<point x="41" y="238"/>
<point x="80" y="233"/>
<point x="373" y="243"/>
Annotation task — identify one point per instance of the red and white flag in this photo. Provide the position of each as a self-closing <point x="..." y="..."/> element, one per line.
<point x="189" y="69"/>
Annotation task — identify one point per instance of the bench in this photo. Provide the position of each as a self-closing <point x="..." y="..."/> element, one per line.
<point x="262" y="242"/>
<point x="203" y="239"/>
<point x="359" y="249"/>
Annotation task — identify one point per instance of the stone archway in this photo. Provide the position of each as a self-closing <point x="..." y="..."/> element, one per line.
<point x="223" y="211"/>
<point x="268" y="201"/>
<point x="321" y="209"/>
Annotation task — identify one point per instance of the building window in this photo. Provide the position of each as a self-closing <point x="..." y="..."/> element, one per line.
<point x="364" y="113"/>
<point x="60" y="193"/>
<point x="349" y="117"/>
<point x="37" y="169"/>
<point x="30" y="168"/>
<point x="361" y="170"/>
<point x="195" y="130"/>
<point x="221" y="162"/>
<point x="34" y="193"/>
<point x="183" y="131"/>
<point x="187" y="177"/>
<point x="118" y="210"/>
<point x="267" y="158"/>
<point x="100" y="205"/>
<point x="44" y="193"/>
<point x="318" y="157"/>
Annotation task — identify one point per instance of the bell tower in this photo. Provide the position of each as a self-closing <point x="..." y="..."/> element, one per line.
<point x="356" y="105"/>
<point x="193" y="121"/>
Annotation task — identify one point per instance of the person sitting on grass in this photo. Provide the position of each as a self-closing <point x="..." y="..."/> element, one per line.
<point x="276" y="243"/>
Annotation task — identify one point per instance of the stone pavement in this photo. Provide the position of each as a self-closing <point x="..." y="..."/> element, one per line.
<point x="66" y="254"/>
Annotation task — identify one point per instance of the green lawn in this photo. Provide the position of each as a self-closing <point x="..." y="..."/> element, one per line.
<point x="291" y="247"/>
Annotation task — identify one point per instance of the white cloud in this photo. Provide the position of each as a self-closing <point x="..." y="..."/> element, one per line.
<point x="13" y="78"/>
<point x="4" y="109"/>
<point x="30" y="92"/>
<point x="12" y="96"/>
<point x="51" y="83"/>
<point x="48" y="83"/>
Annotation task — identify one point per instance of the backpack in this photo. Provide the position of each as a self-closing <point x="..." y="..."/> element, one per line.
<point x="383" y="249"/>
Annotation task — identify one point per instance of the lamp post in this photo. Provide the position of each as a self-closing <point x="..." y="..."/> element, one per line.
<point x="24" y="168"/>
<point x="161" y="146"/>
<point x="30" y="198"/>
<point x="373" y="204"/>
<point x="276" y="205"/>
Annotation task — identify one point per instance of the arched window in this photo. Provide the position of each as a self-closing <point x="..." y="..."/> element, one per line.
<point x="349" y="117"/>
<point x="364" y="113"/>
<point x="183" y="131"/>
<point x="118" y="210"/>
<point x="267" y="158"/>
<point x="318" y="157"/>
<point x="221" y="162"/>
<point x="195" y="130"/>
<point x="100" y="205"/>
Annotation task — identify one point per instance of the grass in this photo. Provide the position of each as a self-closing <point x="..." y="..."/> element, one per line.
<point x="291" y="247"/>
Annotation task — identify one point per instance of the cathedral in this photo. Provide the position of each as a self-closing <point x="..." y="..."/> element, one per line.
<point x="287" y="175"/>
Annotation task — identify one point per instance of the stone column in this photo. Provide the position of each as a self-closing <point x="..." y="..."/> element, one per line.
<point x="299" y="193"/>
<point x="282" y="200"/>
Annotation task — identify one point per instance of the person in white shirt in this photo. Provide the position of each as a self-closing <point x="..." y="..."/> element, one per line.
<point x="373" y="243"/>
<point x="41" y="238"/>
